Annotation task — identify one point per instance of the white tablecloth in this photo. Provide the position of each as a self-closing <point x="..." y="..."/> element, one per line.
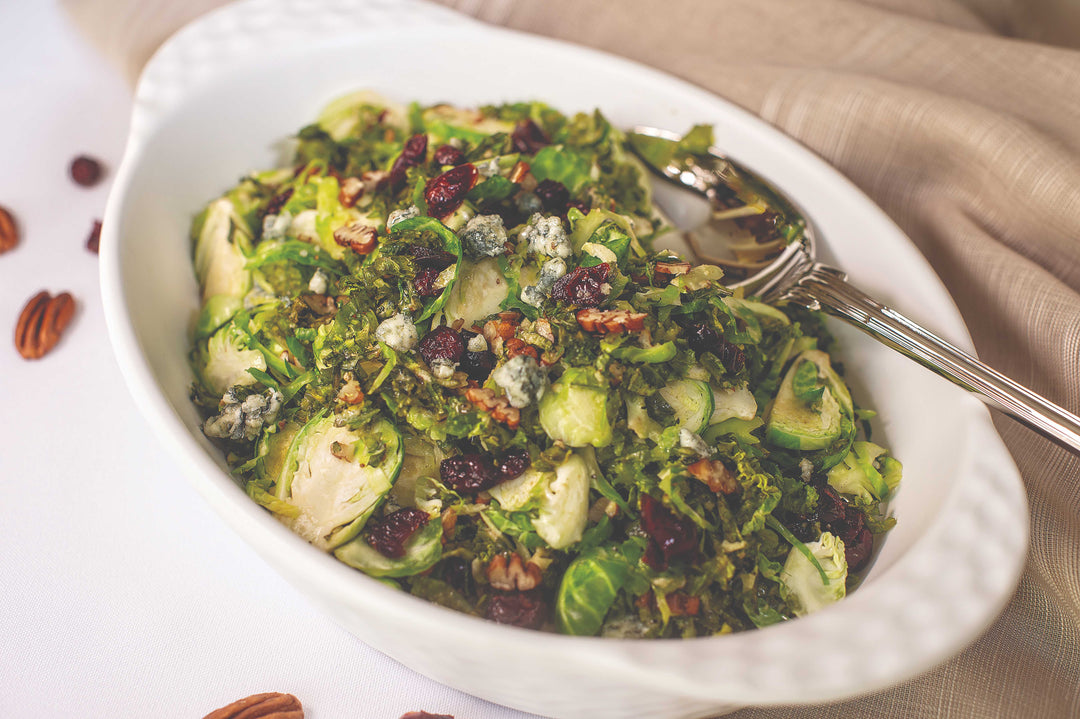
<point x="123" y="595"/>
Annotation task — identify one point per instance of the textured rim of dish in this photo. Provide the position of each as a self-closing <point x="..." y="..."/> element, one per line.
<point x="958" y="575"/>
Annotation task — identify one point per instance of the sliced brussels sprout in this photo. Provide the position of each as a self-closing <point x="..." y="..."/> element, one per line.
<point x="796" y="424"/>
<point x="341" y="117"/>
<point x="734" y="402"/>
<point x="521" y="491"/>
<point x="216" y="311"/>
<point x="802" y="584"/>
<point x="588" y="589"/>
<point x="220" y="244"/>
<point x="638" y="420"/>
<point x="223" y="361"/>
<point x="422" y="551"/>
<point x="867" y="471"/>
<point x="421" y="459"/>
<point x="444" y="122"/>
<point x="574" y="410"/>
<point x="564" y="505"/>
<point x="692" y="401"/>
<point x="478" y="292"/>
<point x="337" y="476"/>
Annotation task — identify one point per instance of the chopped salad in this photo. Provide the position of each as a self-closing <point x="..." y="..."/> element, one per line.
<point x="440" y="346"/>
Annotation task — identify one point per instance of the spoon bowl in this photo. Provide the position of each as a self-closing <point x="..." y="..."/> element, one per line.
<point x="793" y="274"/>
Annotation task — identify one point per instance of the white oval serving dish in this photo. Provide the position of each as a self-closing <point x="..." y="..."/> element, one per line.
<point x="219" y="99"/>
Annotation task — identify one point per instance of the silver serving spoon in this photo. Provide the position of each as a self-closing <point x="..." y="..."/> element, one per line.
<point x="792" y="273"/>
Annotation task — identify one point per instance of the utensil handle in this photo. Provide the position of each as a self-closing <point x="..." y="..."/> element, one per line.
<point x="827" y="289"/>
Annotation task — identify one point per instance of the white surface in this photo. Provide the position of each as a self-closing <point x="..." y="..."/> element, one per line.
<point x="206" y="112"/>
<point x="123" y="594"/>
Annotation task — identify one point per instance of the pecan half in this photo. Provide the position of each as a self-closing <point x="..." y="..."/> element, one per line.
<point x="513" y="574"/>
<point x="270" y="705"/>
<point x="610" y="321"/>
<point x="715" y="475"/>
<point x="9" y="231"/>
<point x="41" y="323"/>
<point x="497" y="406"/>
<point x="357" y="236"/>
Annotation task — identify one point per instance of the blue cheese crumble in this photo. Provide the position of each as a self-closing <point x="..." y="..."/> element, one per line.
<point x="522" y="379"/>
<point x="397" y="332"/>
<point x="275" y="227"/>
<point x="243" y="419"/>
<point x="488" y="168"/>
<point x="691" y="441"/>
<point x="484" y="236"/>
<point x="404" y="214"/>
<point x="550" y="272"/>
<point x="547" y="236"/>
<point x="319" y="282"/>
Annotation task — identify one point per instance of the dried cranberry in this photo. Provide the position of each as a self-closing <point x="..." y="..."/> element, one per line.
<point x="674" y="538"/>
<point x="278" y="201"/>
<point x="514" y="463"/>
<point x="579" y="205"/>
<point x="522" y="609"/>
<point x="528" y="138"/>
<point x="731" y="356"/>
<point x="457" y="572"/>
<point x="470" y="472"/>
<point x="553" y="195"/>
<point x="449" y="155"/>
<point x="702" y="338"/>
<point x="830" y="508"/>
<point x="389" y="535"/>
<point x="85" y="171"/>
<point x="425" y="282"/>
<point x="412" y="154"/>
<point x="427" y="257"/>
<point x="583" y="286"/>
<point x="445" y="193"/>
<point x="441" y="343"/>
<point x="854" y="522"/>
<point x="478" y="365"/>
<point x="857" y="549"/>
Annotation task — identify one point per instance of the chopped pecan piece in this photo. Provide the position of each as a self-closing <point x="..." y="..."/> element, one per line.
<point x="350" y="393"/>
<point x="358" y="236"/>
<point x="352" y="189"/>
<point x="515" y="347"/>
<point x="543" y="328"/>
<point x="319" y="304"/>
<point x="498" y="331"/>
<point x="683" y="605"/>
<point x="520" y="170"/>
<point x="667" y="270"/>
<point x="610" y="321"/>
<point x="497" y="406"/>
<point x="513" y="574"/>
<point x="715" y="475"/>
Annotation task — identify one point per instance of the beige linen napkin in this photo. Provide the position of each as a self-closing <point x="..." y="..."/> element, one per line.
<point x="970" y="140"/>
